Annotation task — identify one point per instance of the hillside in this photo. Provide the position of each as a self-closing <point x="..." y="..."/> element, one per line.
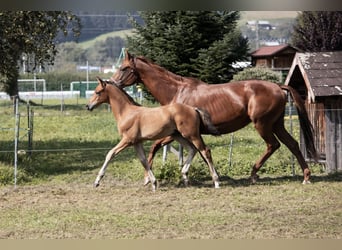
<point x="101" y="38"/>
<point x="259" y="15"/>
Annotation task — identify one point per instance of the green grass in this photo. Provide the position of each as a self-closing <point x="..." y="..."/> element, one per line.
<point x="75" y="141"/>
<point x="55" y="197"/>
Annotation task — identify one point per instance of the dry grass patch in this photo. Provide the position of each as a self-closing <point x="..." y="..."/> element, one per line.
<point x="119" y="211"/>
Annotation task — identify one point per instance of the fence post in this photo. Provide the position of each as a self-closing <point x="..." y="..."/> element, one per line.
<point x="16" y="138"/>
<point x="30" y="131"/>
<point x="231" y="149"/>
<point x="291" y="132"/>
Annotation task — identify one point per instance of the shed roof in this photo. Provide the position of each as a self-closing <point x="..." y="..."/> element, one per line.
<point x="270" y="50"/>
<point x="321" y="72"/>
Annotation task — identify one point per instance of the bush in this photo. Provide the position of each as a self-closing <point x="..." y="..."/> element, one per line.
<point x="258" y="73"/>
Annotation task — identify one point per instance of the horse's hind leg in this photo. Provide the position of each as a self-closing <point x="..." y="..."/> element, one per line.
<point x="293" y="146"/>
<point x="206" y="155"/>
<point x="265" y="131"/>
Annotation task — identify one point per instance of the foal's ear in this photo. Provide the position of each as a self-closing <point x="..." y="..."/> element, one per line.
<point x="99" y="80"/>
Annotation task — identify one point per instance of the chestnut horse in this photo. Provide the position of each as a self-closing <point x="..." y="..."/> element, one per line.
<point x="231" y="106"/>
<point x="137" y="124"/>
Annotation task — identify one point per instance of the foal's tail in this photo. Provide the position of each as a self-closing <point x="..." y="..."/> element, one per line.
<point x="304" y="121"/>
<point x="206" y="123"/>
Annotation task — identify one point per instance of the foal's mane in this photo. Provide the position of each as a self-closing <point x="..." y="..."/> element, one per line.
<point x="170" y="74"/>
<point x="130" y="99"/>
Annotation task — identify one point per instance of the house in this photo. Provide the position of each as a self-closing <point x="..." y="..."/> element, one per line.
<point x="278" y="58"/>
<point x="318" y="79"/>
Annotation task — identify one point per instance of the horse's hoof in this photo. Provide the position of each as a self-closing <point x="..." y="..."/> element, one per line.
<point x="253" y="179"/>
<point x="217" y="185"/>
<point x="96" y="185"/>
<point x="306" y="182"/>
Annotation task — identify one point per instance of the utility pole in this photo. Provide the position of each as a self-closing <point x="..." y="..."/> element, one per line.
<point x="257" y="34"/>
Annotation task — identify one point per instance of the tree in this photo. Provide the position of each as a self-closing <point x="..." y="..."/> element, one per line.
<point x="316" y="31"/>
<point x="31" y="34"/>
<point x="202" y="44"/>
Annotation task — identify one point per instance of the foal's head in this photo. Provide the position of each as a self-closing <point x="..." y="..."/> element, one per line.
<point x="127" y="74"/>
<point x="100" y="95"/>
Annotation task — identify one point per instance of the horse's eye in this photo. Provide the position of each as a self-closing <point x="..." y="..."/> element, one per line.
<point x="124" y="69"/>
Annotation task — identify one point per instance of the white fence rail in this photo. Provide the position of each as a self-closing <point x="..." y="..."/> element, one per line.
<point x="31" y="95"/>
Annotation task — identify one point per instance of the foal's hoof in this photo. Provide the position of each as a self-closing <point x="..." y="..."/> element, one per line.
<point x="146" y="181"/>
<point x="96" y="185"/>
<point x="306" y="182"/>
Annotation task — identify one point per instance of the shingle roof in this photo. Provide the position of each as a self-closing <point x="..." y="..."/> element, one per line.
<point x="269" y="50"/>
<point x="321" y="72"/>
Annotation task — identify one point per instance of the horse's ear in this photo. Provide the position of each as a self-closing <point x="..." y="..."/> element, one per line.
<point x="127" y="54"/>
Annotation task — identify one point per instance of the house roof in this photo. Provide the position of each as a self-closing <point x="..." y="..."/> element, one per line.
<point x="320" y="71"/>
<point x="270" y="50"/>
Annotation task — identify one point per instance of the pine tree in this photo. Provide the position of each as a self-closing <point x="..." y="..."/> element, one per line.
<point x="318" y="31"/>
<point x="201" y="44"/>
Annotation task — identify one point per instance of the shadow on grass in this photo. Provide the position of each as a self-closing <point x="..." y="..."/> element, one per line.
<point x="226" y="181"/>
<point x="65" y="156"/>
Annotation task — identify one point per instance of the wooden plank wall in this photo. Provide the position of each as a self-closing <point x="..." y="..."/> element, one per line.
<point x="333" y="141"/>
<point x="317" y="119"/>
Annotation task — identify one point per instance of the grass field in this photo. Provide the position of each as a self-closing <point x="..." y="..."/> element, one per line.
<point x="55" y="197"/>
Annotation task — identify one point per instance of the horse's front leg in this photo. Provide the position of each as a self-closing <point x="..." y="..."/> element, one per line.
<point x="149" y="176"/>
<point x="156" y="146"/>
<point x="112" y="153"/>
<point x="153" y="150"/>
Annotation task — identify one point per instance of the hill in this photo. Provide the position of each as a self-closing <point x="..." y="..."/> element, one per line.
<point x="259" y="15"/>
<point x="101" y="38"/>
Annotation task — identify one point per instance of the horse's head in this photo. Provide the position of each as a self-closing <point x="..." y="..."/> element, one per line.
<point x="100" y="95"/>
<point x="127" y="74"/>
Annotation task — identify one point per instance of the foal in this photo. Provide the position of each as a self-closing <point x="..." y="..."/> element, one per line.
<point x="137" y="124"/>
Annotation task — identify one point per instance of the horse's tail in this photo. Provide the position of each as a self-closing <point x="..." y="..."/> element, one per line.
<point x="304" y="121"/>
<point x="206" y="123"/>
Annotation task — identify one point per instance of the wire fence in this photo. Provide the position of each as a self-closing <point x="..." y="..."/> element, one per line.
<point x="18" y="122"/>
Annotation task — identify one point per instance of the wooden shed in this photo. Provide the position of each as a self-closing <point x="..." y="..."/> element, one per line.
<point x="278" y="58"/>
<point x="318" y="79"/>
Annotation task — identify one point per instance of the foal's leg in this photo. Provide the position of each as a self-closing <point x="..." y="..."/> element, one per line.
<point x="206" y="155"/>
<point x="293" y="146"/>
<point x="112" y="153"/>
<point x="191" y="155"/>
<point x="265" y="131"/>
<point x="142" y="157"/>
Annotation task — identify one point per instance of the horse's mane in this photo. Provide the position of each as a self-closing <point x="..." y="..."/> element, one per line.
<point x="170" y="74"/>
